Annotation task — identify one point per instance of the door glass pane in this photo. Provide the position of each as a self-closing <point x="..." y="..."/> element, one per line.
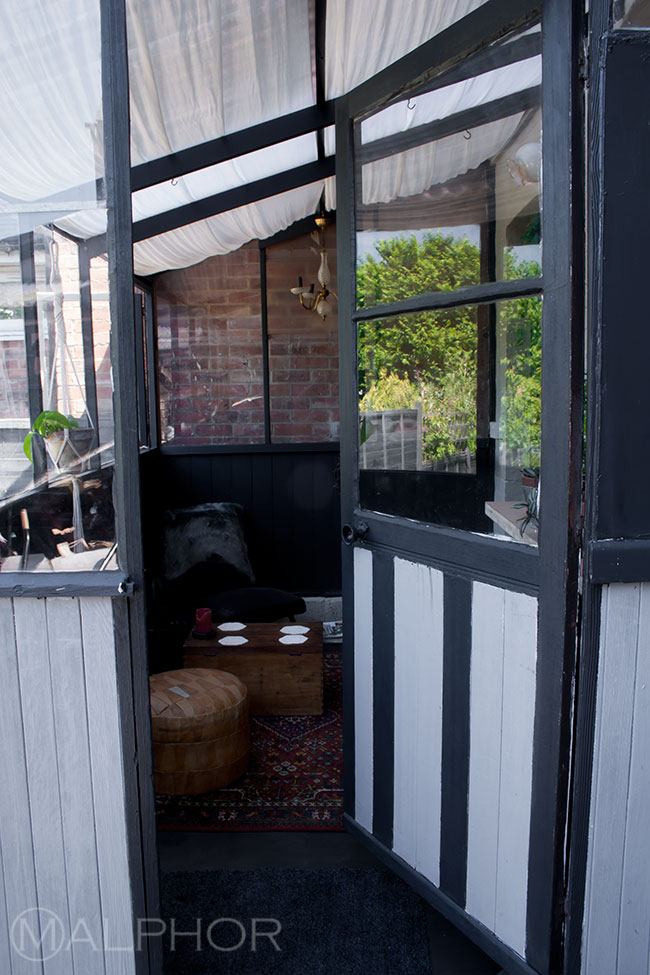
<point x="631" y="13"/>
<point x="449" y="415"/>
<point x="56" y="507"/>
<point x="450" y="181"/>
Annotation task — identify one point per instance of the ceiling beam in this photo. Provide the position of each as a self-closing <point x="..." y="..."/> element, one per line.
<point x="320" y="22"/>
<point x="240" y="196"/>
<point x="229" y="146"/>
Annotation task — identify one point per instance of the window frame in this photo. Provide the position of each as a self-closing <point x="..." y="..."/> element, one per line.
<point x="424" y="68"/>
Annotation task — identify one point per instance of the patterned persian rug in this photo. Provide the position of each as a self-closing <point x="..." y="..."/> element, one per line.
<point x="293" y="780"/>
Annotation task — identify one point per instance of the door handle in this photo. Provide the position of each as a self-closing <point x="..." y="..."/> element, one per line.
<point x="354" y="533"/>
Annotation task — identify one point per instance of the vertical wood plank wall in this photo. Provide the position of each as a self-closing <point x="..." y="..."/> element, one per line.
<point x="502" y="687"/>
<point x="616" y="929"/>
<point x="363" y="723"/>
<point x="62" y="822"/>
<point x="500" y="682"/>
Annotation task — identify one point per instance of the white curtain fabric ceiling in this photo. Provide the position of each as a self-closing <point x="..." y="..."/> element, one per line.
<point x="200" y="69"/>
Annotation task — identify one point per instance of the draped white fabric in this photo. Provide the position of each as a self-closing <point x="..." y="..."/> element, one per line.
<point x="200" y="69"/>
<point x="227" y="231"/>
<point x="50" y="97"/>
<point x="364" y="36"/>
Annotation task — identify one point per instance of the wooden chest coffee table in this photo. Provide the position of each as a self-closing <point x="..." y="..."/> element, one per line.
<point x="280" y="663"/>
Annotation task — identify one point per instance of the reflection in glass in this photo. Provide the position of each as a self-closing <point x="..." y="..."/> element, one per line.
<point x="450" y="415"/>
<point x="631" y="13"/>
<point x="56" y="468"/>
<point x="455" y="172"/>
<point x="210" y="356"/>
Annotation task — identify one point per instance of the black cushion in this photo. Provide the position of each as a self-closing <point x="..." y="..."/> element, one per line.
<point x="254" y="605"/>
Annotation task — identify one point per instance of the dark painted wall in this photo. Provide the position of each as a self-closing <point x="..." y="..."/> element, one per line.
<point x="622" y="264"/>
<point x="290" y="497"/>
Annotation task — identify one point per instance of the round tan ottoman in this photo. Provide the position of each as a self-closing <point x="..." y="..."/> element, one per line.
<point x="200" y="730"/>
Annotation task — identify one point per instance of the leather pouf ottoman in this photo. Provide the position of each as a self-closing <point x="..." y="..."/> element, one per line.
<point x="200" y="730"/>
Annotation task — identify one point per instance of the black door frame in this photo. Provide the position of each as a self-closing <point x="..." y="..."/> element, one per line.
<point x="553" y="572"/>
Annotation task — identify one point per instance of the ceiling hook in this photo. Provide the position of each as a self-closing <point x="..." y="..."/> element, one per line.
<point x="467" y="134"/>
<point x="408" y="104"/>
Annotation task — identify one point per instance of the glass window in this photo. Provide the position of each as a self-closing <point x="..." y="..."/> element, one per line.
<point x="210" y="351"/>
<point x="450" y="416"/>
<point x="56" y="443"/>
<point x="631" y="13"/>
<point x="303" y="347"/>
<point x="450" y="182"/>
<point x="211" y="359"/>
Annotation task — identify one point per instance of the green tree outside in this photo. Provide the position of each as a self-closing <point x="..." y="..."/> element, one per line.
<point x="430" y="357"/>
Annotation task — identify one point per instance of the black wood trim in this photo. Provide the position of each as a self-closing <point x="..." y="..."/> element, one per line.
<point x="88" y="340"/>
<point x="587" y="670"/>
<point x="347" y="401"/>
<point x="477" y="557"/>
<point x="619" y="560"/>
<point x="210" y="206"/>
<point x="584" y="736"/>
<point x="320" y="25"/>
<point x="488" y="23"/>
<point x="131" y="660"/>
<point x="229" y="146"/>
<point x="474" y="930"/>
<point x="561" y="463"/>
<point x="455" y="737"/>
<point x="32" y="346"/>
<point x="475" y="294"/>
<point x="323" y="447"/>
<point x="419" y="135"/>
<point x="36" y="584"/>
<point x="383" y="701"/>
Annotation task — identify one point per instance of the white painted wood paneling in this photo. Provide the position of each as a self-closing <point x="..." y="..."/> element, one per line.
<point x="486" y="707"/>
<point x="108" y="782"/>
<point x="502" y="708"/>
<point x="42" y="769"/>
<point x="15" y="819"/>
<point x="419" y="615"/>
<point x="616" y="930"/>
<point x="62" y="803"/>
<point x="515" y="793"/>
<point x="363" y="696"/>
<point x="634" y="926"/>
<point x="75" y="782"/>
<point x="5" y="957"/>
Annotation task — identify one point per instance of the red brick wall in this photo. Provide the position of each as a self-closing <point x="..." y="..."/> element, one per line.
<point x="210" y="350"/>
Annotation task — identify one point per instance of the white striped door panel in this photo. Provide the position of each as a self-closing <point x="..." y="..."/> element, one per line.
<point x="418" y="716"/>
<point x="462" y="753"/>
<point x="502" y="711"/>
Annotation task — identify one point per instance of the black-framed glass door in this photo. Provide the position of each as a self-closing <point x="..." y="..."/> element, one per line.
<point x="459" y="225"/>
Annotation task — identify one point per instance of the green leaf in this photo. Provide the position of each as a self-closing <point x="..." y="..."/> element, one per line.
<point x="27" y="446"/>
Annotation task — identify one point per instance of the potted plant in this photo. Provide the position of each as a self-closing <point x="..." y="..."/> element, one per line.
<point x="46" y="424"/>
<point x="529" y="481"/>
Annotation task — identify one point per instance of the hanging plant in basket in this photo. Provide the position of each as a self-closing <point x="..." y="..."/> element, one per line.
<point x="47" y="423"/>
